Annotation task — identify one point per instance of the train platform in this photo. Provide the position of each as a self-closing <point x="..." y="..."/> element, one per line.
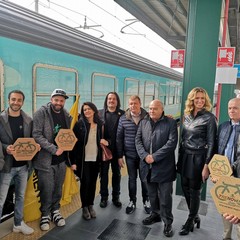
<point x="114" y="224"/>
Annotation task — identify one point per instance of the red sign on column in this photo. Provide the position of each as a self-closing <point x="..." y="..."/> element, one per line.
<point x="225" y="56"/>
<point x="177" y="58"/>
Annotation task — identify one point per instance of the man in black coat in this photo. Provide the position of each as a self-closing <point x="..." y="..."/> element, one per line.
<point x="156" y="141"/>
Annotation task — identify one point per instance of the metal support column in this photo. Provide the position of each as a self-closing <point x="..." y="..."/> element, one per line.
<point x="201" y="51"/>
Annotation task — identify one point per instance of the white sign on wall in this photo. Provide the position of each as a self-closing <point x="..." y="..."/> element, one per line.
<point x="227" y="75"/>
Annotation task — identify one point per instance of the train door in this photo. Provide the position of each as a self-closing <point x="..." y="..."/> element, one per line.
<point x="47" y="77"/>
<point x="102" y="84"/>
<point x="1" y="85"/>
<point x="131" y="87"/>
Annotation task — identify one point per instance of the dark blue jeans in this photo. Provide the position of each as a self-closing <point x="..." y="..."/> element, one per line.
<point x="116" y="178"/>
<point x="133" y="170"/>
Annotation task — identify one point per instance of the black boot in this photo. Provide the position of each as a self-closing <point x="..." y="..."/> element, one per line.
<point x="197" y="221"/>
<point x="186" y="192"/>
<point x="194" y="206"/>
<point x="187" y="227"/>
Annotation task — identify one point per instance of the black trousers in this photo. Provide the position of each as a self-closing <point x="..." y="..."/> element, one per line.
<point x="88" y="183"/>
<point x="116" y="178"/>
<point x="160" y="195"/>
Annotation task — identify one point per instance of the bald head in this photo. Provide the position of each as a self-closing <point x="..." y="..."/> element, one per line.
<point x="155" y="109"/>
<point x="234" y="109"/>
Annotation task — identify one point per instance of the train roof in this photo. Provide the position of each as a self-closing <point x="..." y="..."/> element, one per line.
<point x="25" y="25"/>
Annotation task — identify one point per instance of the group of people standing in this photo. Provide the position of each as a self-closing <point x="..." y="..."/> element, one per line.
<point x="146" y="140"/>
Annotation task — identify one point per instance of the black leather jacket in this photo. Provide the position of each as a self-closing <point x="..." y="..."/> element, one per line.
<point x="199" y="133"/>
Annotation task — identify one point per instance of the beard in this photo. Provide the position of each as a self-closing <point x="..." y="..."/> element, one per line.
<point x="15" y="108"/>
<point x="57" y="108"/>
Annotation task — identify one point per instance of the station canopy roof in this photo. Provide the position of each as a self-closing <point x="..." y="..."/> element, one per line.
<point x="168" y="18"/>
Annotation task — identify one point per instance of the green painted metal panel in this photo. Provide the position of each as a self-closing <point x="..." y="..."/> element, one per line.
<point x="201" y="51"/>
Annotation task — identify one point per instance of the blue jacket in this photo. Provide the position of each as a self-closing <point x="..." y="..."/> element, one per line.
<point x="161" y="140"/>
<point x="224" y="132"/>
<point x="126" y="133"/>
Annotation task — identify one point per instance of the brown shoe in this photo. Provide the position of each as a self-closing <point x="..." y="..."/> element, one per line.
<point x="92" y="211"/>
<point x="85" y="213"/>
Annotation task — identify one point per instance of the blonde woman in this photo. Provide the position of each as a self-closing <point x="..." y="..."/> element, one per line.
<point x="197" y="143"/>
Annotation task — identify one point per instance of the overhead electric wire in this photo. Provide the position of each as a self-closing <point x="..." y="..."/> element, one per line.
<point x="105" y="29"/>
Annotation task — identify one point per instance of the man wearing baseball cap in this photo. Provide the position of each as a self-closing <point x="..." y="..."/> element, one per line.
<point x="50" y="164"/>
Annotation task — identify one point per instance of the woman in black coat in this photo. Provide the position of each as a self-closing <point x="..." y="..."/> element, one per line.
<point x="87" y="155"/>
<point x="197" y="145"/>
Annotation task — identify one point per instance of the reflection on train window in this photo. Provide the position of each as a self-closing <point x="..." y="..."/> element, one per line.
<point x="131" y="87"/>
<point x="171" y="94"/>
<point x="102" y="84"/>
<point x="48" y="77"/>
<point x="178" y="94"/>
<point x="149" y="93"/>
<point x="163" y="93"/>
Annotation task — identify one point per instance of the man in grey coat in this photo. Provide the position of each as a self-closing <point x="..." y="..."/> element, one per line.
<point x="156" y="141"/>
<point x="14" y="123"/>
<point x="50" y="164"/>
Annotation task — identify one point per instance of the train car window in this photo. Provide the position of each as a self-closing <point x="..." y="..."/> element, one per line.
<point x="171" y="94"/>
<point x="149" y="93"/>
<point x="178" y="94"/>
<point x="163" y="93"/>
<point x="2" y="85"/>
<point x="48" y="77"/>
<point x="131" y="87"/>
<point x="102" y="84"/>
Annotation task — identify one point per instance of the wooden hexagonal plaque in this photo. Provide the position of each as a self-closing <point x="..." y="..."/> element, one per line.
<point x="219" y="166"/>
<point x="226" y="195"/>
<point x="66" y="139"/>
<point x="25" y="149"/>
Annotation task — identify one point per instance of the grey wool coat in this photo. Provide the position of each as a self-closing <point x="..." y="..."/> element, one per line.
<point x="43" y="134"/>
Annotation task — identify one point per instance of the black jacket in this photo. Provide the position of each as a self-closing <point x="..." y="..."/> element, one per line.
<point x="111" y="136"/>
<point x="162" y="138"/>
<point x="77" y="155"/>
<point x="199" y="133"/>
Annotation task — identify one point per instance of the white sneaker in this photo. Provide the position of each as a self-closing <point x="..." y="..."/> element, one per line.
<point x="45" y="223"/>
<point x="131" y="207"/>
<point x="147" y="207"/>
<point x="23" y="228"/>
<point x="58" y="219"/>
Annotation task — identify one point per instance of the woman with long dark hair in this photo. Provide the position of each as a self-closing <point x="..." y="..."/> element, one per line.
<point x="197" y="145"/>
<point x="87" y="155"/>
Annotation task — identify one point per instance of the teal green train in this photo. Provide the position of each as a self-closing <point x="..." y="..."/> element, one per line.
<point x="38" y="54"/>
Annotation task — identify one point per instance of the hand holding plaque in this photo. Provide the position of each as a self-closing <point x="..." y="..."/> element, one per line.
<point x="226" y="195"/>
<point x="66" y="139"/>
<point x="25" y="149"/>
